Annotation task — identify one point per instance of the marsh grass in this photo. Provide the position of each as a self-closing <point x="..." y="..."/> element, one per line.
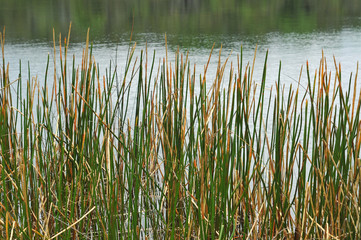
<point x="239" y="162"/>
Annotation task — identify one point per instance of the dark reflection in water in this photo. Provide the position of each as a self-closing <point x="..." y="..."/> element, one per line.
<point x="111" y="20"/>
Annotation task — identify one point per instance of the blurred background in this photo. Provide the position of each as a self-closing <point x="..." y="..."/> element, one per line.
<point x="109" y="20"/>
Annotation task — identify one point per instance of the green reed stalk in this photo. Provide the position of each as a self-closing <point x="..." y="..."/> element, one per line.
<point x="183" y="157"/>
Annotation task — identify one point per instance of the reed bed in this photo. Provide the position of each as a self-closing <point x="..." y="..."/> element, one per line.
<point x="191" y="162"/>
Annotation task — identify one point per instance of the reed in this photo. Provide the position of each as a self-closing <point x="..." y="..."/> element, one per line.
<point x="189" y="161"/>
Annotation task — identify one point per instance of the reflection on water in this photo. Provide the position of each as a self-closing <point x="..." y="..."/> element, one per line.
<point x="110" y="19"/>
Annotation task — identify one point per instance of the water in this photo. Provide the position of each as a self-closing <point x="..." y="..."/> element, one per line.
<point x="291" y="49"/>
<point x="292" y="31"/>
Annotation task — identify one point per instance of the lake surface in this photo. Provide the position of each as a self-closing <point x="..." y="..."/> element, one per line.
<point x="293" y="32"/>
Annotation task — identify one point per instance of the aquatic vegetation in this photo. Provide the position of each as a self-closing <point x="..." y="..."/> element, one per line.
<point x="158" y="154"/>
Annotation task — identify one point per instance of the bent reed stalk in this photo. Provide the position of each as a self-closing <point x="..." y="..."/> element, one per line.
<point x="191" y="162"/>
